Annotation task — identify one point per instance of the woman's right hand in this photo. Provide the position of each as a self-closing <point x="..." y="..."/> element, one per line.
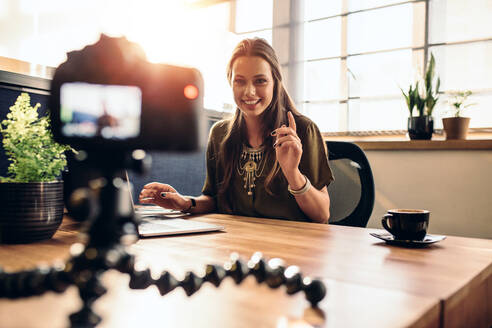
<point x="163" y="195"/>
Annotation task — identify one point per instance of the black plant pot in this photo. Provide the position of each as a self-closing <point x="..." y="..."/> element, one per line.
<point x="420" y="127"/>
<point x="30" y="211"/>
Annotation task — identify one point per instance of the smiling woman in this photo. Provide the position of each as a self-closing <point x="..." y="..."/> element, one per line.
<point x="260" y="162"/>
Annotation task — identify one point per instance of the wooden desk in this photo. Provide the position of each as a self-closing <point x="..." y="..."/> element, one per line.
<point x="369" y="283"/>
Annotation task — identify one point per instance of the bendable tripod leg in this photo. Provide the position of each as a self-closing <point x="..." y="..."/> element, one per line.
<point x="273" y="273"/>
<point x="34" y="282"/>
<point x="86" y="269"/>
<point x="89" y="290"/>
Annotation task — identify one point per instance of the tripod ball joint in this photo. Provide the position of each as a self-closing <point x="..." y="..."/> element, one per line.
<point x="236" y="269"/>
<point x="315" y="290"/>
<point x="191" y="283"/>
<point x="214" y="274"/>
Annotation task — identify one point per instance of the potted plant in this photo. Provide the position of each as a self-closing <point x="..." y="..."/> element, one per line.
<point x="456" y="126"/>
<point x="423" y="96"/>
<point x="31" y="195"/>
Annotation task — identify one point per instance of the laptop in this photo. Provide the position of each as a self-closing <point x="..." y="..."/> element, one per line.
<point x="158" y="221"/>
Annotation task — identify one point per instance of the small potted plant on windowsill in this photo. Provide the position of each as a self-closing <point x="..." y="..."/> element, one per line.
<point x="31" y="196"/>
<point x="423" y="96"/>
<point x="456" y="126"/>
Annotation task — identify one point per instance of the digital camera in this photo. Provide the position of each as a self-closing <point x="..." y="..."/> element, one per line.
<point x="107" y="96"/>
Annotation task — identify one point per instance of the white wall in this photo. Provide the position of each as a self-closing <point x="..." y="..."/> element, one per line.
<point x="456" y="186"/>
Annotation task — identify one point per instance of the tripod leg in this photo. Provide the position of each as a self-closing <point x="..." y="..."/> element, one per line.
<point x="90" y="289"/>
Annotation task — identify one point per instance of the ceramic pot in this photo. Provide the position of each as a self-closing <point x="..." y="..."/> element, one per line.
<point x="30" y="211"/>
<point x="420" y="127"/>
<point x="456" y="127"/>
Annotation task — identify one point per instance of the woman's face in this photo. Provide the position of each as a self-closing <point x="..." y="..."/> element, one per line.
<point x="252" y="85"/>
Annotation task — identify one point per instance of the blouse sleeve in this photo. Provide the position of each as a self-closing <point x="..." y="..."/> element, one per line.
<point x="210" y="186"/>
<point x="314" y="161"/>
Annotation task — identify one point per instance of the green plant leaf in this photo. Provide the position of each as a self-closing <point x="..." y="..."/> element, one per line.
<point x="33" y="154"/>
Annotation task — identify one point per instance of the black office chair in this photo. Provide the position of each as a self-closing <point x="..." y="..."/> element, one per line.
<point x="183" y="171"/>
<point x="352" y="192"/>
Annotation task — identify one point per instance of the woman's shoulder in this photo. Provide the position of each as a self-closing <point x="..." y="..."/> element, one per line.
<point x="220" y="126"/>
<point x="219" y="129"/>
<point x="305" y="124"/>
<point x="302" y="120"/>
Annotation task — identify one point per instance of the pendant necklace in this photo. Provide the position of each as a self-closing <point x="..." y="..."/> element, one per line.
<point x="251" y="165"/>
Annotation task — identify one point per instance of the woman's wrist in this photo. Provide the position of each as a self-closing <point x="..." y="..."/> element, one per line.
<point x="296" y="180"/>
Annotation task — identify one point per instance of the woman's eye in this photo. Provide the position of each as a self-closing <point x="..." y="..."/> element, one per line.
<point x="239" y="82"/>
<point x="261" y="81"/>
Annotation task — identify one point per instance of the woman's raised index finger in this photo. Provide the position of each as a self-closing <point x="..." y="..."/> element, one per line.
<point x="292" y="121"/>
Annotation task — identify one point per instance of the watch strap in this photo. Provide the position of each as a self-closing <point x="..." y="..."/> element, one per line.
<point x="192" y="205"/>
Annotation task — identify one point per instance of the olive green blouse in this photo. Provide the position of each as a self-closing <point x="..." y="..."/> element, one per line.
<point x="258" y="202"/>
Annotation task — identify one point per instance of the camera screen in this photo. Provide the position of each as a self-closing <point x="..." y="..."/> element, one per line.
<point x="94" y="110"/>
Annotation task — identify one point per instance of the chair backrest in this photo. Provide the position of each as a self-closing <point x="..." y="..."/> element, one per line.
<point x="352" y="192"/>
<point x="184" y="171"/>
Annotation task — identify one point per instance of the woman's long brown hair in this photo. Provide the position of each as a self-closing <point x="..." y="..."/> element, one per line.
<point x="272" y="118"/>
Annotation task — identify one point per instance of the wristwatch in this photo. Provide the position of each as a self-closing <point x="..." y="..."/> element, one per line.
<point x="192" y="206"/>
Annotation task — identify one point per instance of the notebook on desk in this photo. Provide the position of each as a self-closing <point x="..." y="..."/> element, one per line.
<point x="158" y="221"/>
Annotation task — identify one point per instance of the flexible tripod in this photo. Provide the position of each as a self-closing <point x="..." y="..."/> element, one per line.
<point x="109" y="230"/>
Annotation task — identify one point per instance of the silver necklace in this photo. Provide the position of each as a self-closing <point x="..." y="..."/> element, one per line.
<point x="251" y="165"/>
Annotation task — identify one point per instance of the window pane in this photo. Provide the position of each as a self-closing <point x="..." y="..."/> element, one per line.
<point x="322" y="38"/>
<point x="380" y="74"/>
<point x="314" y="9"/>
<point x="253" y="15"/>
<point x="366" y="4"/>
<point x="481" y="115"/>
<point x="464" y="66"/>
<point x="329" y="117"/>
<point x="322" y="80"/>
<point x="386" y="28"/>
<point x="457" y="20"/>
<point x="377" y="114"/>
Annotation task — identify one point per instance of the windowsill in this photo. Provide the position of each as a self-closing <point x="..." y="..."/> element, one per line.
<point x="475" y="141"/>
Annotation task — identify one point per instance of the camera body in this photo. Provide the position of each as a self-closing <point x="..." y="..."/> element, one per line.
<point x="108" y="97"/>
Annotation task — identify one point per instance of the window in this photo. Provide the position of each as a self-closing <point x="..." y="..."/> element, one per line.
<point x="366" y="60"/>
<point x="355" y="55"/>
<point x="357" y="59"/>
<point x="460" y="37"/>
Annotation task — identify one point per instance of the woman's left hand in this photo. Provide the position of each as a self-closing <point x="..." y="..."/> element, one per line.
<point x="288" y="147"/>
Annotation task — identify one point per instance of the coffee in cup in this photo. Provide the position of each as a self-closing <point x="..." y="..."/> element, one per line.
<point x="406" y="224"/>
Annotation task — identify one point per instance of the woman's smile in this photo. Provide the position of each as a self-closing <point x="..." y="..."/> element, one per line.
<point x="251" y="104"/>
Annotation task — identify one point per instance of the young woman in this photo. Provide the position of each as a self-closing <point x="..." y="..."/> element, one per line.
<point x="268" y="160"/>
